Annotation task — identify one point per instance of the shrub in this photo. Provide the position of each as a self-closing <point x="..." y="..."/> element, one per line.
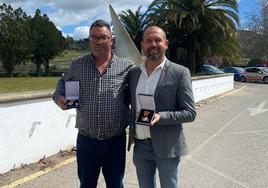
<point x="52" y="68"/>
<point x="255" y="62"/>
<point x="23" y="74"/>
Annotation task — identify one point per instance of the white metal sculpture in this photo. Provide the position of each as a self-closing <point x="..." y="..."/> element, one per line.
<point x="124" y="46"/>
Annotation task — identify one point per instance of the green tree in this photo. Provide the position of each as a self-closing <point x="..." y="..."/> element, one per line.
<point x="198" y="26"/>
<point x="255" y="44"/>
<point x="46" y="41"/>
<point x="215" y="43"/>
<point x="134" y="22"/>
<point x="251" y="43"/>
<point x="14" y="30"/>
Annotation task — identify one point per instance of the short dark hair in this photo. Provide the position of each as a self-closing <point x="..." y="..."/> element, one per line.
<point x="100" y="23"/>
<point x="156" y="26"/>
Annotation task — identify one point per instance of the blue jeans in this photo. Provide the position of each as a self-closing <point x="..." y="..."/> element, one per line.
<point x="147" y="162"/>
<point x="94" y="155"/>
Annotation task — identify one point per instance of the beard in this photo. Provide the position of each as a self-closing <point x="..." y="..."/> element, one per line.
<point x="154" y="54"/>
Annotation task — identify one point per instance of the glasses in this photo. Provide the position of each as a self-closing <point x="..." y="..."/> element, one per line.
<point x="99" y="39"/>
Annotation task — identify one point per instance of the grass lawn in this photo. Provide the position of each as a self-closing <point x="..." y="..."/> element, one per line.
<point x="69" y="54"/>
<point x="65" y="59"/>
<point x="62" y="62"/>
<point x="22" y="84"/>
<point x="13" y="85"/>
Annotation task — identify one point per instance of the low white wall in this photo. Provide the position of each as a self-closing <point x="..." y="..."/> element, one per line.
<point x="205" y="88"/>
<point x="33" y="129"/>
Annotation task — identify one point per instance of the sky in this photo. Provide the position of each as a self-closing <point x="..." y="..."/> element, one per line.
<point x="73" y="18"/>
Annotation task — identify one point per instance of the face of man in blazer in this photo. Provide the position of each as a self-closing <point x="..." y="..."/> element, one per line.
<point x="154" y="44"/>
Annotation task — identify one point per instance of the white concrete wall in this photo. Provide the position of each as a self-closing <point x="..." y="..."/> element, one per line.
<point x="205" y="88"/>
<point x="32" y="129"/>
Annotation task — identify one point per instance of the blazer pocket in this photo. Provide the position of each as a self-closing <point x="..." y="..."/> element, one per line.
<point x="168" y="83"/>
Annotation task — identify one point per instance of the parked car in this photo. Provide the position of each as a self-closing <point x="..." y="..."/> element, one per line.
<point x="265" y="64"/>
<point x="256" y="74"/>
<point x="236" y="70"/>
<point x="210" y="69"/>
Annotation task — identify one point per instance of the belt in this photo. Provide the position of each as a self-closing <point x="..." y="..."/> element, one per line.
<point x="146" y="140"/>
<point x="98" y="136"/>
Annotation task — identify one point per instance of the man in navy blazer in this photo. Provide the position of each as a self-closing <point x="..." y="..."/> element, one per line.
<point x="159" y="145"/>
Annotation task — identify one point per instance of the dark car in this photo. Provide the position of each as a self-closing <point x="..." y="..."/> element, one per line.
<point x="236" y="70"/>
<point x="210" y="69"/>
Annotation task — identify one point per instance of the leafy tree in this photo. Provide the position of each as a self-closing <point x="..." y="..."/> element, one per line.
<point x="134" y="22"/>
<point x="14" y="30"/>
<point x="46" y="41"/>
<point x="257" y="27"/>
<point x="226" y="47"/>
<point x="251" y="43"/>
<point x="198" y="26"/>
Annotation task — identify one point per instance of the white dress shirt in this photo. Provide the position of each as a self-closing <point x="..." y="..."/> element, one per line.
<point x="146" y="85"/>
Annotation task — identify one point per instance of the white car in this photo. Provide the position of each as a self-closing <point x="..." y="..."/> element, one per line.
<point x="255" y="74"/>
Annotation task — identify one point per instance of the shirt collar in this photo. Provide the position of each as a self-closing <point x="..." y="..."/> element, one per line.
<point x="160" y="66"/>
<point x="114" y="58"/>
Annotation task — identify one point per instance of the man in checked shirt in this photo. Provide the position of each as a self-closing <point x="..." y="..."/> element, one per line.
<point x="103" y="113"/>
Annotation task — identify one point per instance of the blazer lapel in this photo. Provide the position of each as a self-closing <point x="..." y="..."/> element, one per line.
<point x="162" y="78"/>
<point x="133" y="85"/>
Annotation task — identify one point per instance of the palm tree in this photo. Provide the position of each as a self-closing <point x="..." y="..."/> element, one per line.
<point x="134" y="24"/>
<point x="199" y="26"/>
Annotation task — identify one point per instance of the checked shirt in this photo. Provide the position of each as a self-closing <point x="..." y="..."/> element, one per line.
<point x="103" y="106"/>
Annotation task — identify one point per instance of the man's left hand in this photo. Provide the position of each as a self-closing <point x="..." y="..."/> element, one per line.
<point x="155" y="120"/>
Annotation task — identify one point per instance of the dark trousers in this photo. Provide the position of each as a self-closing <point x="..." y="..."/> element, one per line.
<point x="107" y="155"/>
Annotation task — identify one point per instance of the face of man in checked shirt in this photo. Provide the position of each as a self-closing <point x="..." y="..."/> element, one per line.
<point x="100" y="40"/>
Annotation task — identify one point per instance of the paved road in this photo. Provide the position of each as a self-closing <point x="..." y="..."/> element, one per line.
<point x="228" y="146"/>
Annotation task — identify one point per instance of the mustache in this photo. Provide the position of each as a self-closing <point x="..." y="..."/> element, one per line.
<point x="153" y="48"/>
